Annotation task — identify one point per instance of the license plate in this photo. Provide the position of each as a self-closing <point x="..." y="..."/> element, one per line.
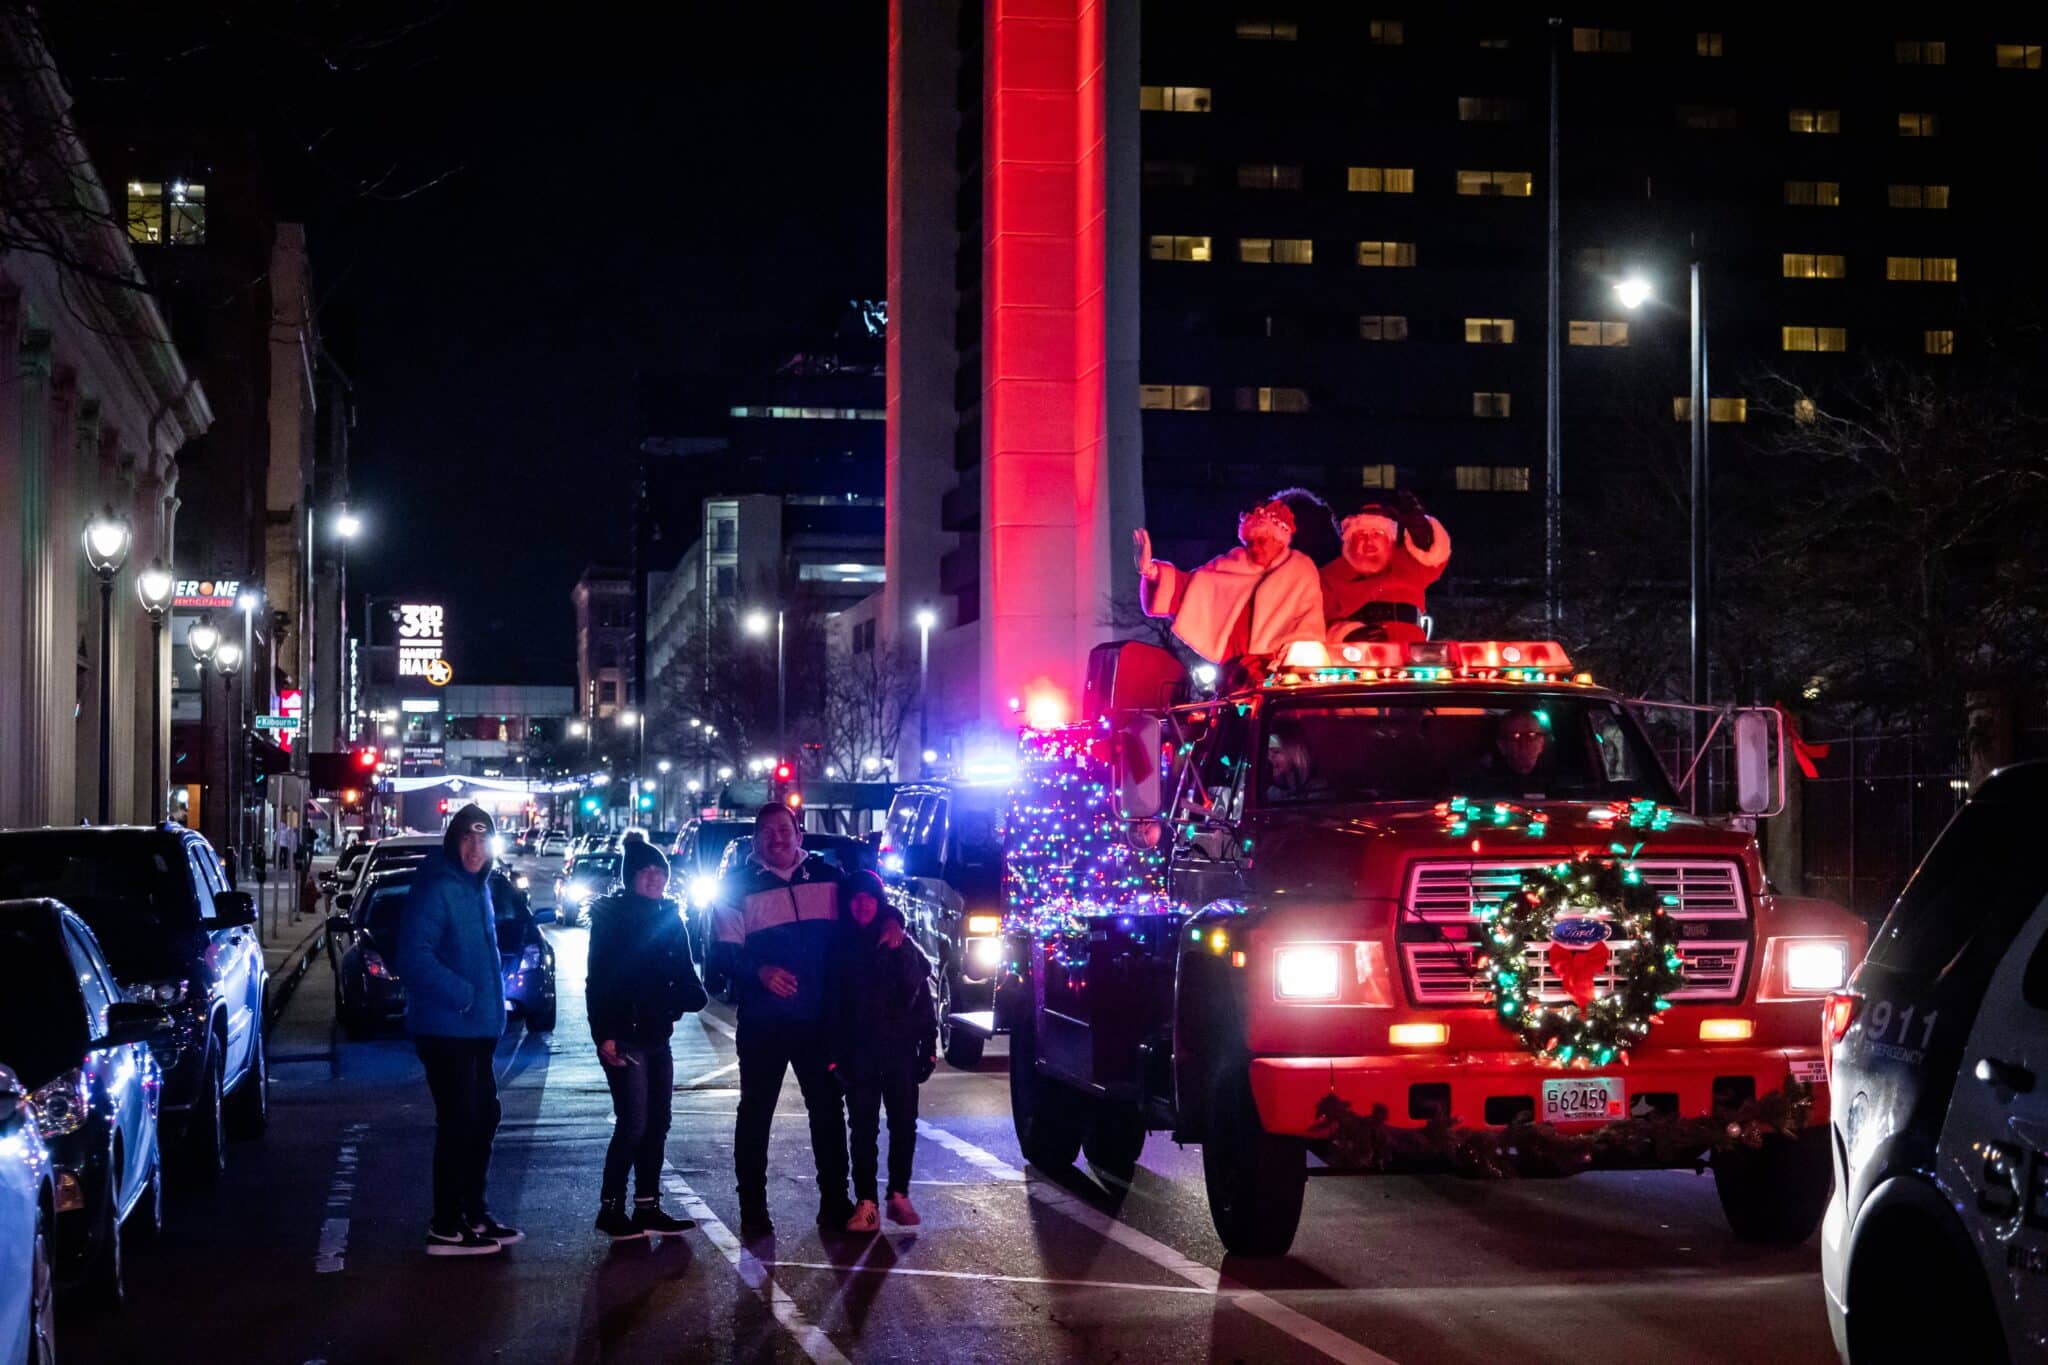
<point x="1585" y="1099"/>
<point x="1812" y="1071"/>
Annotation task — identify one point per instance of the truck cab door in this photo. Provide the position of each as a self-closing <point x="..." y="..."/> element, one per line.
<point x="1208" y="803"/>
<point x="1993" y="1152"/>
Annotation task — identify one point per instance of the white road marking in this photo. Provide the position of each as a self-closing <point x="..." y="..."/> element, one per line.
<point x="712" y="1021"/>
<point x="1279" y="1316"/>
<point x="694" y="1082"/>
<point x="752" y="1271"/>
<point x="332" y="1252"/>
<point x="864" y="1269"/>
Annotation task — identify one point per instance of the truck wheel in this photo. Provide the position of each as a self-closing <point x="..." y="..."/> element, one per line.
<point x="1050" y="1117"/>
<point x="963" y="1049"/>
<point x="1116" y="1138"/>
<point x="1255" y="1179"/>
<point x="1777" y="1193"/>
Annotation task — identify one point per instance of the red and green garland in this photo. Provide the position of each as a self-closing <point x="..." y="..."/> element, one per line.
<point x="1575" y="908"/>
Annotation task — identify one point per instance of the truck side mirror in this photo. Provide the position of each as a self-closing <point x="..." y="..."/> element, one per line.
<point x="1755" y="793"/>
<point x="1139" y="791"/>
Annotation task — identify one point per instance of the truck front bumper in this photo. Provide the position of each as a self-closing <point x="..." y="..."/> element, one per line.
<point x="1489" y="1089"/>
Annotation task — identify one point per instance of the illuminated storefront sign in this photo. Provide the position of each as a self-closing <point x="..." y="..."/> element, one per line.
<point x="422" y="636"/>
<point x="205" y="593"/>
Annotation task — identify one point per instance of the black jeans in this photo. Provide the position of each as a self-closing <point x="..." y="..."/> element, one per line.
<point x="466" y="1111"/>
<point x="893" y="1084"/>
<point x="767" y="1048"/>
<point x="643" y="1092"/>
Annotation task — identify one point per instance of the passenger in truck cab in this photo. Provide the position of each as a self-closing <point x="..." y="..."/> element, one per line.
<point x="1290" y="767"/>
<point x="1520" y="761"/>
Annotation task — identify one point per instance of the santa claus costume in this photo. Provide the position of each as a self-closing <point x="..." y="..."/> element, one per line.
<point x="1375" y="590"/>
<point x="1235" y="607"/>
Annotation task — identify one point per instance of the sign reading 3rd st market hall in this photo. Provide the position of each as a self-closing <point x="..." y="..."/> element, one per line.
<point x="421" y="638"/>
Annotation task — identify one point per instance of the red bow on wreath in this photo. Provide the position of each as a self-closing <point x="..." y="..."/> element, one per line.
<point x="1578" y="969"/>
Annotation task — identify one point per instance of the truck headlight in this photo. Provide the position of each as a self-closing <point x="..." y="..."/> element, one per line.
<point x="1306" y="972"/>
<point x="978" y="925"/>
<point x="1816" y="965"/>
<point x="985" y="955"/>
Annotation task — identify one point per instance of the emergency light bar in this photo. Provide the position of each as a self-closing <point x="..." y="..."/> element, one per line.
<point x="1310" y="661"/>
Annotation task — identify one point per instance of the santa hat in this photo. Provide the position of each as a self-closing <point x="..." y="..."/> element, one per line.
<point x="1375" y="518"/>
<point x="1276" y="513"/>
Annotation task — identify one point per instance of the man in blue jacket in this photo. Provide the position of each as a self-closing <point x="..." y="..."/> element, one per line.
<point x="455" y="1008"/>
<point x="772" y="932"/>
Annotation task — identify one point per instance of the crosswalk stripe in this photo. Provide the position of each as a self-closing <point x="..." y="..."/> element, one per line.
<point x="752" y="1271"/>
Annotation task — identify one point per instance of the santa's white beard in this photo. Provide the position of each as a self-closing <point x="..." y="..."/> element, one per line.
<point x="1362" y="554"/>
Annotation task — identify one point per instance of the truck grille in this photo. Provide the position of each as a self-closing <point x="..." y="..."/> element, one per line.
<point x="1445" y="893"/>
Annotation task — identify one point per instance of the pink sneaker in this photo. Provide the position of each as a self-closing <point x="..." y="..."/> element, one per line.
<point x="901" y="1210"/>
<point x="866" y="1218"/>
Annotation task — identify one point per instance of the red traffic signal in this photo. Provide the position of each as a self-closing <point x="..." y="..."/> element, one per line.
<point x="366" y="759"/>
<point x="783" y="772"/>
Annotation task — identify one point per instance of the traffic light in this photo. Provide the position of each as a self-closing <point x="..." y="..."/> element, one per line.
<point x="590" y="805"/>
<point x="783" y="772"/>
<point x="366" y="759"/>
<point x="646" y="801"/>
<point x="785" y="791"/>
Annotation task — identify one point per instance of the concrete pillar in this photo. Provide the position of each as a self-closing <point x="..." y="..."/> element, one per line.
<point x="13" y="714"/>
<point x="42" y="660"/>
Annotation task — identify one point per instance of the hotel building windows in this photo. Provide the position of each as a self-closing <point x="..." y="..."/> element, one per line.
<point x="1268" y="30"/>
<point x="1913" y="52"/>
<point x="1826" y="194"/>
<point x="1179" y="248"/>
<point x="1382" y="327"/>
<point x="1916" y="196"/>
<point x="1925" y="269"/>
<point x="1490" y="331"/>
<point x="1492" y="404"/>
<point x="1272" y="400"/>
<point x="1389" y="254"/>
<point x="1609" y="40"/>
<point x="1502" y="184"/>
<point x="1807" y="266"/>
<point x="1718" y="409"/>
<point x="1494" y="478"/>
<point x="1380" y="180"/>
<point x="1814" y="120"/>
<point x="2018" y="56"/>
<point x="1814" y="338"/>
<point x="1262" y="177"/>
<point x="1386" y="33"/>
<point x="166" y="213"/>
<point x="1174" y="397"/>
<point x="1174" y="99"/>
<point x="1919" y="125"/>
<point x="1491" y="109"/>
<point x="1597" y="333"/>
<point x="1938" y="341"/>
<point x="1276" y="250"/>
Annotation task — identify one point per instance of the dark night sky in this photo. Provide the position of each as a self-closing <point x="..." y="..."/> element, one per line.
<point x="626" y="187"/>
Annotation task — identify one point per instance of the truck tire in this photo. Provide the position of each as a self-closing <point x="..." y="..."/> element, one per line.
<point x="1776" y="1194"/>
<point x="1116" y="1139"/>
<point x="1051" y="1118"/>
<point x="962" y="1049"/>
<point x="1255" y="1179"/>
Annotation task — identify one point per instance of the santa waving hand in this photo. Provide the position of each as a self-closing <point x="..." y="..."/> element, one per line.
<point x="1249" y="602"/>
<point x="1393" y="551"/>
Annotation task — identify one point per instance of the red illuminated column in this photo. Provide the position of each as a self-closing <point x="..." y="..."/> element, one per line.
<point x="1045" y="514"/>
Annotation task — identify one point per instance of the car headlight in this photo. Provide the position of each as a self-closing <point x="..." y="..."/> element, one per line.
<point x="575" y="893"/>
<point x="1306" y="972"/>
<point x="1816" y="965"/>
<point x="521" y="881"/>
<point x="703" y="891"/>
<point x="984" y="924"/>
<point x="159" y="992"/>
<point x="62" y="1105"/>
<point x="985" y="955"/>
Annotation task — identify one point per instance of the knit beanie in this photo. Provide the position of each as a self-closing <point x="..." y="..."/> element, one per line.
<point x="639" y="856"/>
<point x="867" y="883"/>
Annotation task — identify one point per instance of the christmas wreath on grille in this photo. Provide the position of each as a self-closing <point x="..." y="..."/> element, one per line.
<point x="1576" y="907"/>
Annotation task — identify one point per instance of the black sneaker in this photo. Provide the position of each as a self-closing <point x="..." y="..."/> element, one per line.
<point x="490" y="1227"/>
<point x="614" y="1222"/>
<point x="832" y="1214"/>
<point x="649" y="1216"/>
<point x="459" y="1241"/>
<point x="755" y="1224"/>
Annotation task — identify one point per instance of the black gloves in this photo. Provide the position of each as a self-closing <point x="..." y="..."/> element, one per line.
<point x="1414" y="521"/>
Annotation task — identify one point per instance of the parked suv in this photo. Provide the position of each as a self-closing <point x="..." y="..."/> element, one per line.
<point x="1935" y="1239"/>
<point x="944" y="864"/>
<point x="178" y="938"/>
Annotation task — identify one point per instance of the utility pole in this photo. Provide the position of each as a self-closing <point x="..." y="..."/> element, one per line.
<point x="1553" y="418"/>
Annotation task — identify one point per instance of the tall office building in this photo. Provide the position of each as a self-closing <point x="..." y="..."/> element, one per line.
<point x="1211" y="250"/>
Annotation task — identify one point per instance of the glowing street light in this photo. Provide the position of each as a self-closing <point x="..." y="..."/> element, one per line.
<point x="663" y="767"/>
<point x="153" y="585"/>
<point x="202" y="639"/>
<point x="347" y="524"/>
<point x="1633" y="291"/>
<point x="107" y="539"/>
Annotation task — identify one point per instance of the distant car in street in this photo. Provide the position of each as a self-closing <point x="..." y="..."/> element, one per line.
<point x="28" y="1230"/>
<point x="400" y="850"/>
<point x="591" y="875"/>
<point x="362" y="944"/>
<point x="83" y="1055"/>
<point x="525" y="953"/>
<point x="553" y="844"/>
<point x="158" y="903"/>
<point x="944" y="866"/>
<point x="1935" y="1243"/>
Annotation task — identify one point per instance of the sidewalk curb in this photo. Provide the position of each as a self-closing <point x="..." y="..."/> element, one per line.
<point x="284" y="978"/>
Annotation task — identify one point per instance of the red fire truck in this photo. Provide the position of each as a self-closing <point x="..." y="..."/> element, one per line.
<point x="1329" y="843"/>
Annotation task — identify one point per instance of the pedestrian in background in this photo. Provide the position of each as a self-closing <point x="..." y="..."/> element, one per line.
<point x="455" y="1010"/>
<point x="885" y="1043"/>
<point x="773" y="931"/>
<point x="641" y="981"/>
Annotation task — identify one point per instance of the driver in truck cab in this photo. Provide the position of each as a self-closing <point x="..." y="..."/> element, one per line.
<point x="1520" y="762"/>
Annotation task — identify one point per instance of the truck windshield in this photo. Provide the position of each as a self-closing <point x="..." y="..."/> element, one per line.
<point x="1428" y="747"/>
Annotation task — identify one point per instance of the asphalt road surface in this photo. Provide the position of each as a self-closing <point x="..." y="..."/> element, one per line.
<point x="310" y="1247"/>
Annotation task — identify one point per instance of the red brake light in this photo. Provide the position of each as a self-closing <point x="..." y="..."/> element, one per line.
<point x="1837" y="1015"/>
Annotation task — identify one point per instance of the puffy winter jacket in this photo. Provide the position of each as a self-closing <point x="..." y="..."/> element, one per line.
<point x="763" y="921"/>
<point x="641" y="978"/>
<point x="880" y="1003"/>
<point x="448" y="954"/>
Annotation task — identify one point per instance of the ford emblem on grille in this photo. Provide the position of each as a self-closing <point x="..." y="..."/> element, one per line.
<point x="1579" y="932"/>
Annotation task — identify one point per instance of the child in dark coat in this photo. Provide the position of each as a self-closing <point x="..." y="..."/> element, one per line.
<point x="885" y="1038"/>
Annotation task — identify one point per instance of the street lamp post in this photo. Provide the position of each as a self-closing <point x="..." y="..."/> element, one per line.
<point x="107" y="538"/>
<point x="926" y="619"/>
<point x="202" y="639"/>
<point x="757" y="625"/>
<point x="347" y="526"/>
<point x="153" y="585"/>
<point x="661" y="796"/>
<point x="227" y="661"/>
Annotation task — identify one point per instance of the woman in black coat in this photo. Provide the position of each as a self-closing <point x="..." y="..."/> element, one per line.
<point x="641" y="981"/>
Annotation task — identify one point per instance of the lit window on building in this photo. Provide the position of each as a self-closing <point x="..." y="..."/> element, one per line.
<point x="1261" y="177"/>
<point x="1164" y="248"/>
<point x="1485" y="404"/>
<point x="1377" y="476"/>
<point x="1381" y="180"/>
<point x="1708" y="117"/>
<point x="1174" y="99"/>
<point x="1490" y="331"/>
<point x="1386" y="254"/>
<point x="1814" y="120"/>
<point x="1825" y="194"/>
<point x="1938" y="341"/>
<point x="1385" y="33"/>
<point x="1496" y="40"/>
<point x="1172" y="175"/>
<point x="1276" y="250"/>
<point x="1919" y="125"/>
<point x="1268" y="30"/>
<point x="1916" y="196"/>
<point x="1923" y="269"/>
<point x="1707" y="44"/>
<point x="1718" y="409"/>
<point x="1174" y="397"/>
<point x="166" y="213"/>
<point x="792" y="413"/>
<point x="1814" y="338"/>
<point x="1491" y="109"/>
<point x="1500" y="184"/>
<point x="1382" y="327"/>
<point x="2019" y="56"/>
<point x="1272" y="400"/>
<point x="1918" y="52"/>
<point x="1592" y="333"/>
<point x="1609" y="40"/>
<point x="1492" y="478"/>
<point x="1804" y="265"/>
